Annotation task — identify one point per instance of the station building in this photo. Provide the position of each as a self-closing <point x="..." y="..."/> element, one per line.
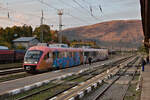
<point x="25" y="42"/>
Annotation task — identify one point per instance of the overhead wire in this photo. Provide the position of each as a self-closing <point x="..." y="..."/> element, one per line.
<point x="79" y="19"/>
<point x="69" y="14"/>
<point x="90" y="6"/>
<point x="73" y="7"/>
<point x="84" y="8"/>
<point x="9" y="10"/>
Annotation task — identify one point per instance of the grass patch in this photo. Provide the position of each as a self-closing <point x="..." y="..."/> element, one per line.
<point x="132" y="94"/>
<point x="70" y="78"/>
<point x="30" y="92"/>
<point x="50" y="93"/>
<point x="81" y="79"/>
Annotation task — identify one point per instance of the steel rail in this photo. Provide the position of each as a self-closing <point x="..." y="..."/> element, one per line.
<point x="81" y="75"/>
<point x="102" y="93"/>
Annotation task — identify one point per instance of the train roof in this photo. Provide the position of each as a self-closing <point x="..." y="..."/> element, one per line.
<point x="45" y="48"/>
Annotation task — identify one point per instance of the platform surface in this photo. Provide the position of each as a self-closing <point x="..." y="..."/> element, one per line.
<point x="19" y="83"/>
<point x="145" y="95"/>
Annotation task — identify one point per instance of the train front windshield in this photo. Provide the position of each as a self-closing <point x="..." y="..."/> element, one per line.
<point x="32" y="57"/>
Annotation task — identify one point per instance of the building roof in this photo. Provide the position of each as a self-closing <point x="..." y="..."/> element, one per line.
<point x="24" y="39"/>
<point x="3" y="48"/>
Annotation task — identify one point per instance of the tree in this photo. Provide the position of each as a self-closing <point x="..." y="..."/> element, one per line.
<point x="54" y="35"/>
<point x="46" y="33"/>
<point x="26" y="31"/>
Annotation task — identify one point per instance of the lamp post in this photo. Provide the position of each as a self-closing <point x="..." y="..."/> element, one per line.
<point x="60" y="13"/>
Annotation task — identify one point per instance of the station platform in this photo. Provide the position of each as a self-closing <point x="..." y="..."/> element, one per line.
<point x="145" y="94"/>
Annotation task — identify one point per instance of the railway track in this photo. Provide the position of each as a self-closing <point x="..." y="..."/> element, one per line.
<point x="107" y="91"/>
<point x="10" y="66"/>
<point x="79" y="93"/>
<point x="115" y="88"/>
<point x="57" y="87"/>
<point x="11" y="71"/>
<point x="15" y="73"/>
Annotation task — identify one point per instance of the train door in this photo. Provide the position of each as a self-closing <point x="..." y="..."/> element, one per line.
<point x="94" y="56"/>
<point x="76" y="58"/>
<point x="60" y="59"/>
<point x="81" y="57"/>
<point x="48" y="58"/>
<point x="55" y="58"/>
<point x="65" y="59"/>
<point x="71" y="61"/>
<point x="86" y="56"/>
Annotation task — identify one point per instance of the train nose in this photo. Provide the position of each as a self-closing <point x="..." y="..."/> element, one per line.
<point x="30" y="68"/>
<point x="27" y="68"/>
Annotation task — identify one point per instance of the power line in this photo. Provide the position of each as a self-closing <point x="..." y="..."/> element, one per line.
<point x="84" y="9"/>
<point x="8" y="9"/>
<point x="58" y="9"/>
<point x="80" y="5"/>
<point x="72" y="7"/>
<point x="99" y="6"/>
<point x="81" y="11"/>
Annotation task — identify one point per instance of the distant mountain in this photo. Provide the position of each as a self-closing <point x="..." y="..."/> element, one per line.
<point x="118" y="33"/>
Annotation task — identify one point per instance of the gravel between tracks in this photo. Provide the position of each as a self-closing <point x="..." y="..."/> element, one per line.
<point x="116" y="91"/>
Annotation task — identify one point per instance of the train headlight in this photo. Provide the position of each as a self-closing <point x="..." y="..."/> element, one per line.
<point x="25" y="62"/>
<point x="35" y="62"/>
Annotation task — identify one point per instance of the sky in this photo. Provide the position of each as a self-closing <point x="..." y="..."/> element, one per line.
<point x="75" y="12"/>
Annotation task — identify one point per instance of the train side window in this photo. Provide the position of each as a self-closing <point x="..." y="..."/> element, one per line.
<point x="94" y="53"/>
<point x="46" y="56"/>
<point x="65" y="54"/>
<point x="81" y="53"/>
<point x="86" y="54"/>
<point x="55" y="54"/>
<point x="60" y="54"/>
<point x="75" y="54"/>
<point x="50" y="55"/>
<point x="70" y="54"/>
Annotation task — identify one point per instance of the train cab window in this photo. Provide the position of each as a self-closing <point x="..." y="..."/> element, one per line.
<point x="33" y="55"/>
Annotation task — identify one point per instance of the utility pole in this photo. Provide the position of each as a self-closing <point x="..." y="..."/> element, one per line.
<point x="41" y="28"/>
<point x="60" y="13"/>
